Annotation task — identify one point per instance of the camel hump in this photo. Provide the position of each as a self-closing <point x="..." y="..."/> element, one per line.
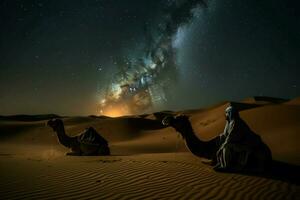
<point x="91" y="136"/>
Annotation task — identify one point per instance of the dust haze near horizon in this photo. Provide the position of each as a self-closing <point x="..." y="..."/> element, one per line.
<point x="61" y="56"/>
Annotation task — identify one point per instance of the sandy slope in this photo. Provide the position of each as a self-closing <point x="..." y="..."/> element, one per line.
<point x="148" y="161"/>
<point x="151" y="176"/>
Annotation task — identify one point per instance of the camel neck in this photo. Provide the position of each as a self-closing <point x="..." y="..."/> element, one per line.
<point x="194" y="144"/>
<point x="63" y="138"/>
<point x="191" y="137"/>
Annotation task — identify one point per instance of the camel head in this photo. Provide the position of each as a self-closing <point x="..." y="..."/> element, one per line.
<point x="55" y="124"/>
<point x="181" y="124"/>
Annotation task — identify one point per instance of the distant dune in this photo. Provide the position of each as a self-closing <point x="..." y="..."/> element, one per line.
<point x="148" y="160"/>
<point x="295" y="101"/>
<point x="29" y="117"/>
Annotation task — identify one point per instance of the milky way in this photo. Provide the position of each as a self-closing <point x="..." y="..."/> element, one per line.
<point x="141" y="84"/>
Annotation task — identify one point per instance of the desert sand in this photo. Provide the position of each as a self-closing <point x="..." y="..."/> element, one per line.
<point x="148" y="161"/>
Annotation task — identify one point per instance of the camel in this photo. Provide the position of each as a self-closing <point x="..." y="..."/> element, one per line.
<point x="181" y="124"/>
<point x="257" y="160"/>
<point x="87" y="143"/>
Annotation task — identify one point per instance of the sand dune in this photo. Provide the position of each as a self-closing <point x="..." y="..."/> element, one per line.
<point x="148" y="160"/>
<point x="264" y="100"/>
<point x="152" y="176"/>
<point x="295" y="101"/>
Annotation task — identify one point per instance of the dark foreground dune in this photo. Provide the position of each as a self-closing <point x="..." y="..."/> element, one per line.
<point x="148" y="161"/>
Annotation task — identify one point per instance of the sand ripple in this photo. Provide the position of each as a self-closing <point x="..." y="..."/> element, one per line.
<point x="164" y="176"/>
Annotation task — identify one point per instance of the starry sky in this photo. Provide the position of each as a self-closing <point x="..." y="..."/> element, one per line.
<point x="66" y="57"/>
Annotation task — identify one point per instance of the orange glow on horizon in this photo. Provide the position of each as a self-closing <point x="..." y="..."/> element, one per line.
<point x="114" y="113"/>
<point x="115" y="110"/>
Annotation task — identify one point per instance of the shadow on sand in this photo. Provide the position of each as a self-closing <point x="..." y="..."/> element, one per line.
<point x="281" y="171"/>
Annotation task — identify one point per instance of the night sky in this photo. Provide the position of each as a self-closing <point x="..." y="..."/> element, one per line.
<point x="84" y="57"/>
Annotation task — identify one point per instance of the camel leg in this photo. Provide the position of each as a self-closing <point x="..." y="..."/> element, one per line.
<point x="73" y="153"/>
<point x="105" y="151"/>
